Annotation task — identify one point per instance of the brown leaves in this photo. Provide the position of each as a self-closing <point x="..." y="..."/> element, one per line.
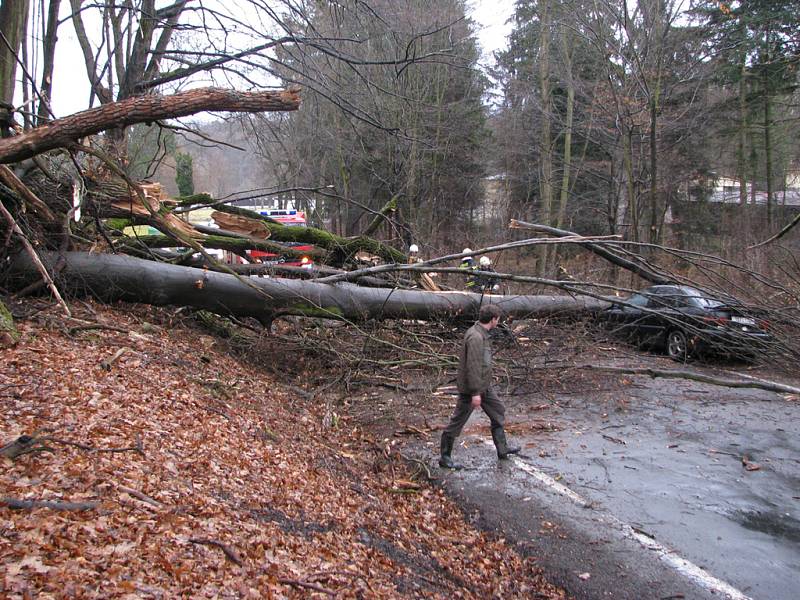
<point x="238" y="490"/>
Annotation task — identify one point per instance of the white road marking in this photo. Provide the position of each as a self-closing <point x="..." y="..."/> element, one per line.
<point x="680" y="564"/>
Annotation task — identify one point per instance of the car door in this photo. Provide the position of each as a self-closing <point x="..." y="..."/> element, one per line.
<point x="659" y="312"/>
<point x="625" y="319"/>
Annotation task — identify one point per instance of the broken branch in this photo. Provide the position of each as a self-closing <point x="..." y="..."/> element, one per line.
<point x="230" y="554"/>
<point x="34" y="258"/>
<point x="770" y="386"/>
<point x="140" y="109"/>
<point x="17" y="504"/>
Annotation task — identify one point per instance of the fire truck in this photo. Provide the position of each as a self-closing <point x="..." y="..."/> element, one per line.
<point x="290" y="218"/>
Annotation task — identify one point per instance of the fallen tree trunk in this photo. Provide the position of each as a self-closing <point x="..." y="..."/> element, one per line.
<point x="115" y="277"/>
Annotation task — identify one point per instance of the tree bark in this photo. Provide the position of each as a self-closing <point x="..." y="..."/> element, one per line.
<point x="545" y="143"/>
<point x="13" y="16"/>
<point x="114" y="277"/>
<point x="48" y="63"/>
<point x="63" y="132"/>
<point x="741" y="160"/>
<point x="768" y="152"/>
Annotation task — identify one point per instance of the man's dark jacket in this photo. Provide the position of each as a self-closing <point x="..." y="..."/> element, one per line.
<point x="475" y="362"/>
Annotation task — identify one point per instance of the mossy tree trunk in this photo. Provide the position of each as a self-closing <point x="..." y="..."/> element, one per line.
<point x="9" y="335"/>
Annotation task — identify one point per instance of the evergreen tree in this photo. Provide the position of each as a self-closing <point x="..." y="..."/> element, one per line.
<point x="183" y="174"/>
<point x="757" y="51"/>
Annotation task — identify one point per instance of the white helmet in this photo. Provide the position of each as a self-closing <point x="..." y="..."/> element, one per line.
<point x="413" y="248"/>
<point x="485" y="261"/>
<point x="465" y="250"/>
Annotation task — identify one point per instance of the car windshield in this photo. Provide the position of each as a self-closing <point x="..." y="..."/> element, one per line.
<point x="698" y="299"/>
<point x="637" y="300"/>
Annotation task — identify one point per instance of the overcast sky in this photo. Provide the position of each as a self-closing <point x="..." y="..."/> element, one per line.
<point x="490" y="17"/>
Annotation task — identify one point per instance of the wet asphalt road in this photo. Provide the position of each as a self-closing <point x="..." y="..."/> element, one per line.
<point x="657" y="489"/>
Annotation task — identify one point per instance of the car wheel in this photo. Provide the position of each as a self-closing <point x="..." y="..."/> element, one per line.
<point x="677" y="345"/>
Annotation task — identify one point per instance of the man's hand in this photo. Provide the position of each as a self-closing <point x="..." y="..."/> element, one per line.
<point x="476" y="401"/>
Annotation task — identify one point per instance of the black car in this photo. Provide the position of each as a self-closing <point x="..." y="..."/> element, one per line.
<point x="685" y="321"/>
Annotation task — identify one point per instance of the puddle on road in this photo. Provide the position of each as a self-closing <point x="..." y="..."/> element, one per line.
<point x="774" y="524"/>
<point x="678" y="467"/>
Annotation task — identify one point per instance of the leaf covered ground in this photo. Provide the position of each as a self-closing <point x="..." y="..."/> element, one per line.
<point x="201" y="475"/>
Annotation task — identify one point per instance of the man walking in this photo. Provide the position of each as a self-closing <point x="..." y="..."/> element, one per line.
<point x="475" y="388"/>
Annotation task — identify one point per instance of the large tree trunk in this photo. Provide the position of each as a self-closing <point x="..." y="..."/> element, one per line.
<point x="13" y="16"/>
<point x="63" y="132"/>
<point x="741" y="158"/>
<point x="114" y="277"/>
<point x="545" y="136"/>
<point x="768" y="152"/>
<point x="48" y="63"/>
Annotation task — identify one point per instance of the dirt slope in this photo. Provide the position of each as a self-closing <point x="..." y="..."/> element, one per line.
<point x="202" y="477"/>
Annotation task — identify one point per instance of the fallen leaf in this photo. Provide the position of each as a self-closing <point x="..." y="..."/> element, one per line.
<point x="34" y="563"/>
<point x="749" y="465"/>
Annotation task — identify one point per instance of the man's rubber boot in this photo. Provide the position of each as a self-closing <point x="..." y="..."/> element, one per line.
<point x="445" y="461"/>
<point x="503" y="449"/>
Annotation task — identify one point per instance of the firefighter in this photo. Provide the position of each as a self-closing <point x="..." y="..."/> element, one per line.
<point x="468" y="264"/>
<point x="487" y="282"/>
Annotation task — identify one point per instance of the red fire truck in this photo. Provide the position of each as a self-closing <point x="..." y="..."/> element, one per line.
<point x="290" y="218"/>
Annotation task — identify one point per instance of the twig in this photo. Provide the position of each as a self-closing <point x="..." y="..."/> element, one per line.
<point x="140" y="496"/>
<point x="778" y="235"/>
<point x="137" y="448"/>
<point x="17" y="504"/>
<point x="74" y="330"/>
<point x="215" y="411"/>
<point x="613" y="439"/>
<point x="35" y="258"/>
<point x="230" y="554"/>
<point x="421" y="466"/>
<point x="8" y="177"/>
<point x="715" y="451"/>
<point x="106" y="364"/>
<point x="306" y="584"/>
